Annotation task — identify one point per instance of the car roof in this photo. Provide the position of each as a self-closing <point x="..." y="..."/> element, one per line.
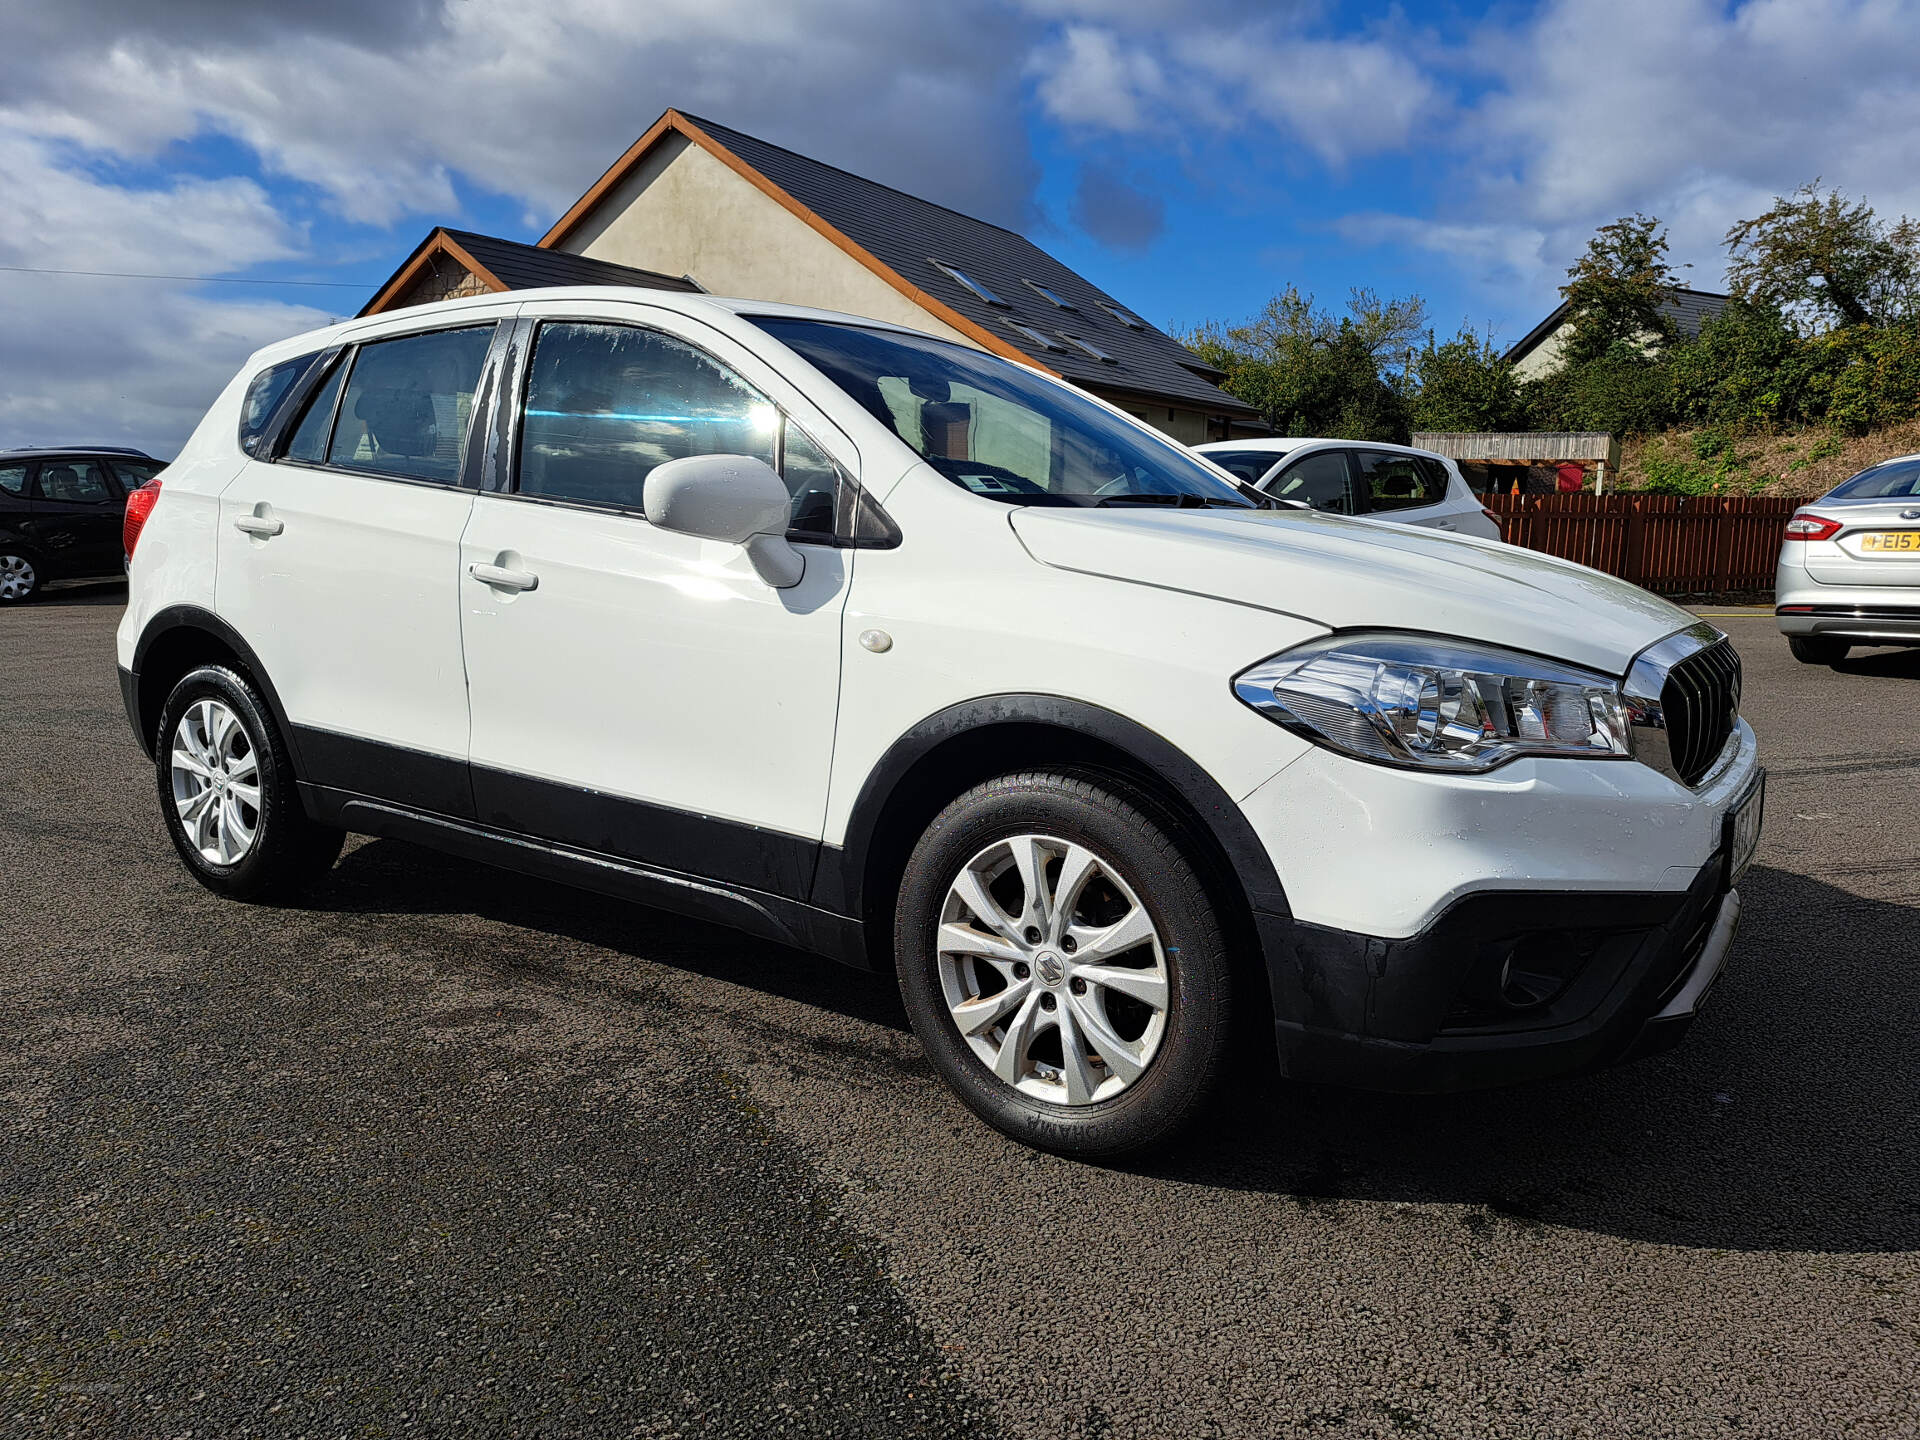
<point x="481" y="306"/>
<point x="1286" y="444"/>
<point x="55" y="452"/>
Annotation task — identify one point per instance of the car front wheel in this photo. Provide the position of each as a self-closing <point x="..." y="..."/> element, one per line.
<point x="1063" y="966"/>
<point x="228" y="794"/>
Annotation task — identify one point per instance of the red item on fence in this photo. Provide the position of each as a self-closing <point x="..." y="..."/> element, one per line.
<point x="1572" y="477"/>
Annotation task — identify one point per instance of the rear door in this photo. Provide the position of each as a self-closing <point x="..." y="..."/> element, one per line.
<point x="339" y="557"/>
<point x="75" y="517"/>
<point x="1411" y="489"/>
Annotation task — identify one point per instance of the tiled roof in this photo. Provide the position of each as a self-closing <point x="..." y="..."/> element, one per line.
<point x="1688" y="309"/>
<point x="909" y="234"/>
<point x="527" y="267"/>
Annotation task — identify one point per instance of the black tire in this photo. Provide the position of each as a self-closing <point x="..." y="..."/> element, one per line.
<point x="22" y="575"/>
<point x="1818" y="649"/>
<point x="288" y="851"/>
<point x="1128" y="837"/>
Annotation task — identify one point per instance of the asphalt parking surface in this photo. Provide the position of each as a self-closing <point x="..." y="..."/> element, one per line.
<point x="448" y="1151"/>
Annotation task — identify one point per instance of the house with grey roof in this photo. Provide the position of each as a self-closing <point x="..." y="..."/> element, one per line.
<point x="693" y="205"/>
<point x="1538" y="351"/>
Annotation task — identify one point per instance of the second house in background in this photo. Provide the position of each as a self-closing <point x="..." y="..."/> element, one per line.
<point x="693" y="205"/>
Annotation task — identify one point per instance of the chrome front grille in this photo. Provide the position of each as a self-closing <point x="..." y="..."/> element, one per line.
<point x="1684" y="697"/>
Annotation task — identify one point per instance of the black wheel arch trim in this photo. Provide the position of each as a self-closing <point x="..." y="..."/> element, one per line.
<point x="195" y="617"/>
<point x="839" y="882"/>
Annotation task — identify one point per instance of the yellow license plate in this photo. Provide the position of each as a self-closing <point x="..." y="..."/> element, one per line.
<point x="1901" y="540"/>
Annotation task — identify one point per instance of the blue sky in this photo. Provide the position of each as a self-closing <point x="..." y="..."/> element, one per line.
<point x="1191" y="159"/>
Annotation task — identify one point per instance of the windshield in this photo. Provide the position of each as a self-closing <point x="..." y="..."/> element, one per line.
<point x="1893" y="480"/>
<point x="998" y="429"/>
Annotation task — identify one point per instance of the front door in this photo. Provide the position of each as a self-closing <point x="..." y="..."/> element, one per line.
<point x="339" y="565"/>
<point x="636" y="692"/>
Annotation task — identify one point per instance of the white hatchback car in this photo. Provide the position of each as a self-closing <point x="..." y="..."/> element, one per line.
<point x="888" y="649"/>
<point x="1359" y="477"/>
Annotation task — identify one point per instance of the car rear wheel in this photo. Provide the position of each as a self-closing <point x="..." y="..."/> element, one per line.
<point x="19" y="577"/>
<point x="228" y="794"/>
<point x="1063" y="966"/>
<point x="1817" y="649"/>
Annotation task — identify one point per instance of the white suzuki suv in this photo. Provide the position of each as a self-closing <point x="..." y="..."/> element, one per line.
<point x="888" y="649"/>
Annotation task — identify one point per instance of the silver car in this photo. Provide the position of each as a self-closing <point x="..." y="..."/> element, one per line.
<point x="1849" y="571"/>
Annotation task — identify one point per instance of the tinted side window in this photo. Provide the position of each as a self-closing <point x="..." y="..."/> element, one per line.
<point x="407" y="405"/>
<point x="269" y="387"/>
<point x="309" y="442"/>
<point x="135" y="473"/>
<point x="1248" y="465"/>
<point x="607" y="403"/>
<point x="76" y="482"/>
<point x="1321" y="479"/>
<point x="1400" y="482"/>
<point x="13" y="479"/>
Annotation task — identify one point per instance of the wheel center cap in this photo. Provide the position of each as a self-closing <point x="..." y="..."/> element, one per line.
<point x="1051" y="967"/>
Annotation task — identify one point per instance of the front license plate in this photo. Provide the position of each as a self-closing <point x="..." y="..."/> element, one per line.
<point x="1743" y="829"/>
<point x="1882" y="541"/>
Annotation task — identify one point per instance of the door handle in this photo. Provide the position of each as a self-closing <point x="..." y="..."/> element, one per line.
<point x="263" y="526"/>
<point x="503" y="579"/>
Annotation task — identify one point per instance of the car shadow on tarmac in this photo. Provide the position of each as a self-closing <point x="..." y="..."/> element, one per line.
<point x="1788" y="1119"/>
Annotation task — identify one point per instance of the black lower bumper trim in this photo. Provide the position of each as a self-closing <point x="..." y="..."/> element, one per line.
<point x="1502" y="988"/>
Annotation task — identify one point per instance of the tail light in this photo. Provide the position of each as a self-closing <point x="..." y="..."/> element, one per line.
<point x="1811" y="527"/>
<point x="1490" y="515"/>
<point x="139" y="506"/>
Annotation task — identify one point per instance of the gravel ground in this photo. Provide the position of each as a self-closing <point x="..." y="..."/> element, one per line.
<point x="449" y="1151"/>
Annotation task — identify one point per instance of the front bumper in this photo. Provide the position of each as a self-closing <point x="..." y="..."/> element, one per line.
<point x="1427" y="1014"/>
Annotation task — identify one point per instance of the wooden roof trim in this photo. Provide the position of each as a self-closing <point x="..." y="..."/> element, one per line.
<point x="675" y="121"/>
<point x="436" y="244"/>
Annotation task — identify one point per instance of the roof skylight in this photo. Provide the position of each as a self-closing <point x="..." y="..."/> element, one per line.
<point x="1052" y="297"/>
<point x="967" y="282"/>
<point x="1125" y="316"/>
<point x="1090" y="349"/>
<point x="1039" y="338"/>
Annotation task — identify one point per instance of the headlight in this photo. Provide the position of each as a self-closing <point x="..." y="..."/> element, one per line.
<point x="1429" y="703"/>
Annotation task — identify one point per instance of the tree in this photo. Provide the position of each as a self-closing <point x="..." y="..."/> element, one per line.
<point x="1618" y="289"/>
<point x="1309" y="372"/>
<point x="1466" y="385"/>
<point x="1820" y="253"/>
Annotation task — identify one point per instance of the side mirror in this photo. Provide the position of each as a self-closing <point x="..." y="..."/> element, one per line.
<point x="734" y="498"/>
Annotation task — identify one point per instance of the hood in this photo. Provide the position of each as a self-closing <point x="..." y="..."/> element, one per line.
<point x="1351" y="574"/>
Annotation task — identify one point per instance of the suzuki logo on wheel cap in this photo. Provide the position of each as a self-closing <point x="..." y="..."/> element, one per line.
<point x="1051" y="967"/>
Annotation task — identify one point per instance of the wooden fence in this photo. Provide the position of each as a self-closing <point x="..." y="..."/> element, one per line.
<point x="1679" y="544"/>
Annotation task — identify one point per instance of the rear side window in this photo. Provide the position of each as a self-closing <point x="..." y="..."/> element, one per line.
<point x="268" y="389"/>
<point x="309" y="442"/>
<point x="13" y="479"/>
<point x="607" y="403"/>
<point x="76" y="482"/>
<point x="1247" y="465"/>
<point x="407" y="405"/>
<point x="135" y="473"/>
<point x="1894" y="480"/>
<point x="1320" y="479"/>
<point x="1401" y="482"/>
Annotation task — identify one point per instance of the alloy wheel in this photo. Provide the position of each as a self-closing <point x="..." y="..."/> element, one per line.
<point x="16" y="577"/>
<point x="1052" y="970"/>
<point x="216" y="782"/>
